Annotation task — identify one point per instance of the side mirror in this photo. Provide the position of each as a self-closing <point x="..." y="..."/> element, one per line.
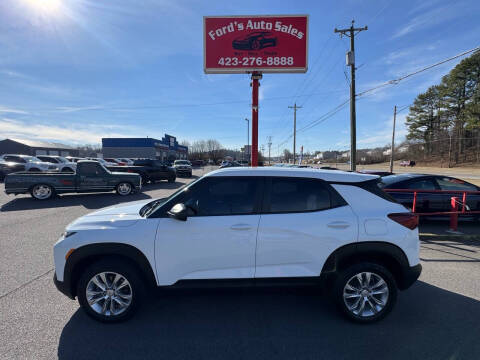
<point x="179" y="212"/>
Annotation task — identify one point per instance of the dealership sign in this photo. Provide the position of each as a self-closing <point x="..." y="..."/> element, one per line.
<point x="240" y="44"/>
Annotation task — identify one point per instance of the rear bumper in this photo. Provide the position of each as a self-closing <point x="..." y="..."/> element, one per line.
<point x="63" y="287"/>
<point x="410" y="275"/>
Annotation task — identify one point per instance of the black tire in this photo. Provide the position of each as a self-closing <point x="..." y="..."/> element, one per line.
<point x="124" y="188"/>
<point x="172" y="180"/>
<point x="190" y="175"/>
<point x="370" y="315"/>
<point x="109" y="266"/>
<point x="42" y="191"/>
<point x="144" y="179"/>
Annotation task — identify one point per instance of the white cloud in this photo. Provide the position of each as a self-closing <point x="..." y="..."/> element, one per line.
<point x="384" y="136"/>
<point x="69" y="109"/>
<point x="436" y="16"/>
<point x="6" y="109"/>
<point x="86" y="134"/>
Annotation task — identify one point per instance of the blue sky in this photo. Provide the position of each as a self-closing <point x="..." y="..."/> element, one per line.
<point x="77" y="70"/>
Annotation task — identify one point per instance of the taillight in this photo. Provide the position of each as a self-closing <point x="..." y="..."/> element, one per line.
<point x="408" y="220"/>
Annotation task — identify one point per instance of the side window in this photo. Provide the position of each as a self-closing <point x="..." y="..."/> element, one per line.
<point x="298" y="195"/>
<point x="91" y="169"/>
<point x="224" y="196"/>
<point x="424" y="184"/>
<point x="447" y="183"/>
<point x="15" y="159"/>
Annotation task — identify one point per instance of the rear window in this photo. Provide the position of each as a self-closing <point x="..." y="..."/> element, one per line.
<point x="292" y="194"/>
<point x="375" y="187"/>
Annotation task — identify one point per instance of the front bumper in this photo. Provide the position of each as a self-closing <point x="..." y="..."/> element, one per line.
<point x="63" y="287"/>
<point x="184" y="171"/>
<point x="410" y="275"/>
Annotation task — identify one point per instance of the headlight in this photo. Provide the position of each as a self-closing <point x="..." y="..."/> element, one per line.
<point x="66" y="234"/>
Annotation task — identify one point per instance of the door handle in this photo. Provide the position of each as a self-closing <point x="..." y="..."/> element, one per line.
<point x="338" y="225"/>
<point x="241" y="227"/>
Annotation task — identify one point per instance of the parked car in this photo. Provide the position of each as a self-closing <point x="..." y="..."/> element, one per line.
<point x="410" y="163"/>
<point x="116" y="161"/>
<point x="183" y="167"/>
<point x="90" y="176"/>
<point x="103" y="162"/>
<point x="74" y="158"/>
<point x="64" y="165"/>
<point x="227" y="164"/>
<point x="243" y="162"/>
<point x="198" y="163"/>
<point x="9" y="167"/>
<point x="244" y="225"/>
<point x="149" y="170"/>
<point x="31" y="163"/>
<point x="429" y="202"/>
<point x="126" y="161"/>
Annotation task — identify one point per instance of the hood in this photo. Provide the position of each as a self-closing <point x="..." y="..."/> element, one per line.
<point x="117" y="216"/>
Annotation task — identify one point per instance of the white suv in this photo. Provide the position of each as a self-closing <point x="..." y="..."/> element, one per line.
<point x="31" y="163"/>
<point x="246" y="225"/>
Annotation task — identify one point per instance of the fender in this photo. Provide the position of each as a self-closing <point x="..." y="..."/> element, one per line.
<point x="388" y="254"/>
<point x="85" y="255"/>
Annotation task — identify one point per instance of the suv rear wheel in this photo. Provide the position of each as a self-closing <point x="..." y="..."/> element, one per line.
<point x="110" y="290"/>
<point x="365" y="292"/>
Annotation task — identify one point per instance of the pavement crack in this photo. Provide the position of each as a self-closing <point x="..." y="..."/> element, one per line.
<point x="25" y="284"/>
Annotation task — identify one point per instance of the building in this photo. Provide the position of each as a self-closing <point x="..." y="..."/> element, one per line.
<point x="319" y="156"/>
<point x="165" y="149"/>
<point x="35" y="147"/>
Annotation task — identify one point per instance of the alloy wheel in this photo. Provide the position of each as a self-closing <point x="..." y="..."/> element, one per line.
<point x="109" y="294"/>
<point x="366" y="294"/>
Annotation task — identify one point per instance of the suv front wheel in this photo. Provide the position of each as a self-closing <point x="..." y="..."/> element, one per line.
<point x="110" y="290"/>
<point x="365" y="292"/>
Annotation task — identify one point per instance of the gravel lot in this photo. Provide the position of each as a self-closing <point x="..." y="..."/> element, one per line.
<point x="438" y="318"/>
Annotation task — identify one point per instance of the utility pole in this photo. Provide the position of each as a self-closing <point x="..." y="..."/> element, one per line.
<point x="350" y="32"/>
<point x="269" y="148"/>
<point x="393" y="138"/>
<point x="256" y="76"/>
<point x="294" y="107"/>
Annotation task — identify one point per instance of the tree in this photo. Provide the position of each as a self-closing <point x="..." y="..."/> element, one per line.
<point x="287" y="155"/>
<point x="446" y="118"/>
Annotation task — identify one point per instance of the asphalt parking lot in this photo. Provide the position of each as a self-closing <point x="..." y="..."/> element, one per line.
<point x="438" y="318"/>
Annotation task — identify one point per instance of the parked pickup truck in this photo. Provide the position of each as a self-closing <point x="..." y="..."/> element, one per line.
<point x="149" y="170"/>
<point x="90" y="176"/>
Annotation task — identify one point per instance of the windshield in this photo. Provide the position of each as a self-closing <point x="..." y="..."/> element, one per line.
<point x="62" y="159"/>
<point x="182" y="162"/>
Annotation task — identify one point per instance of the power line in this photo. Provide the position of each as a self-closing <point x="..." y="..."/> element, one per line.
<point x="396" y="81"/>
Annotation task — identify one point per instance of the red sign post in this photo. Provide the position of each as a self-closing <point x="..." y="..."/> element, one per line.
<point x="256" y="45"/>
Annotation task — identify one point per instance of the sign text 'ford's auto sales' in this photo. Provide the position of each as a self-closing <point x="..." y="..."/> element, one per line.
<point x="239" y="44"/>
